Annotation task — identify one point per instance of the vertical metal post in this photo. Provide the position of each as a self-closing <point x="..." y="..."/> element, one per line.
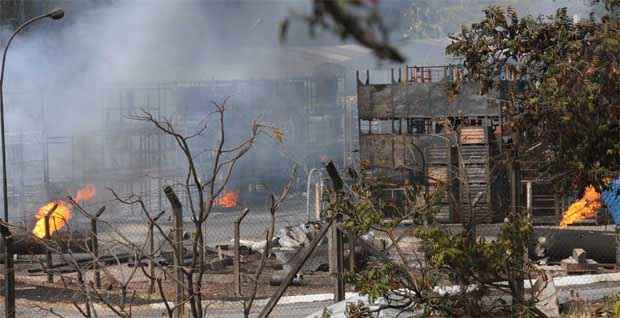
<point x="309" y="187"/>
<point x="617" y="244"/>
<point x="556" y="209"/>
<point x="151" y="253"/>
<point x="339" y="292"/>
<point x="528" y="196"/>
<point x="95" y="250"/>
<point x="237" y="260"/>
<point x="514" y="189"/>
<point x="318" y="191"/>
<point x="177" y="210"/>
<point x="332" y="251"/>
<point x="352" y="240"/>
<point x="501" y="125"/>
<point x="9" y="275"/>
<point x="48" y="251"/>
<point x="237" y="265"/>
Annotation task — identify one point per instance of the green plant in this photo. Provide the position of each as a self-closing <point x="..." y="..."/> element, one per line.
<point x="559" y="79"/>
<point x="455" y="275"/>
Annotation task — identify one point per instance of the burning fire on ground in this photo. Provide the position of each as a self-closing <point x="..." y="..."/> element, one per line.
<point x="584" y="208"/>
<point x="60" y="216"/>
<point x="227" y="199"/>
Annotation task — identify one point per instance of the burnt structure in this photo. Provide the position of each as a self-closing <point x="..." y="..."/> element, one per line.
<point x="404" y="132"/>
<point x="131" y="156"/>
<point x="306" y="109"/>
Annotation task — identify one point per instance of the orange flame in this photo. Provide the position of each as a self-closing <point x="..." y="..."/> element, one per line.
<point x="61" y="215"/>
<point x="85" y="194"/>
<point x="584" y="208"/>
<point x="228" y="199"/>
<point x="57" y="219"/>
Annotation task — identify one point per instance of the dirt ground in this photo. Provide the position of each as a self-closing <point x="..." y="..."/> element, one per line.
<point x="218" y="285"/>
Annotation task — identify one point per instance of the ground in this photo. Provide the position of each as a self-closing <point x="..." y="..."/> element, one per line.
<point x="35" y="296"/>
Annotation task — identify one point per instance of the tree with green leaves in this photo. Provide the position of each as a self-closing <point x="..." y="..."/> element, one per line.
<point x="449" y="273"/>
<point x="560" y="79"/>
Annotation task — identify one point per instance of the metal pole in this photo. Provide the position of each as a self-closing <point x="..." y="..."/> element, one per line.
<point x="93" y="237"/>
<point x="48" y="251"/>
<point x="151" y="253"/>
<point x="237" y="264"/>
<point x="95" y="242"/>
<point x="332" y="251"/>
<point x="177" y="210"/>
<point x="352" y="240"/>
<point x="312" y="171"/>
<point x="9" y="275"/>
<point x="528" y="196"/>
<point x="273" y="301"/>
<point x="617" y="244"/>
<point x="237" y="260"/>
<point x="318" y="192"/>
<point x="339" y="292"/>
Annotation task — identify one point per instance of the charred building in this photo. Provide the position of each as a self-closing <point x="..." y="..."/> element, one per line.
<point x="404" y="130"/>
<point x="412" y="130"/>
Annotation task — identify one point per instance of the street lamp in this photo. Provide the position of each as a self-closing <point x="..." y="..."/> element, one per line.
<point x="9" y="277"/>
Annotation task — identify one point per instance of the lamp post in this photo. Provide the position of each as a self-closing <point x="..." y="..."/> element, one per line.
<point x="9" y="276"/>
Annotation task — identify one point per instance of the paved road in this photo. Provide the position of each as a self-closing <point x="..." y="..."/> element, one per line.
<point x="220" y="225"/>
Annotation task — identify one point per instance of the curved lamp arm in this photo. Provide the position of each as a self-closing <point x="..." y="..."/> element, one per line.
<point x="55" y="15"/>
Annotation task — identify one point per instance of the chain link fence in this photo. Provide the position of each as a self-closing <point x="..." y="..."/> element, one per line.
<point x="581" y="260"/>
<point x="57" y="283"/>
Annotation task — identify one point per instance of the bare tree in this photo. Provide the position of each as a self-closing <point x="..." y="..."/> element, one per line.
<point x="269" y="235"/>
<point x="203" y="183"/>
<point x="202" y="188"/>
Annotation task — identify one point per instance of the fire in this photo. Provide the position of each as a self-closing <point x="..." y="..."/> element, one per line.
<point x="57" y="219"/>
<point x="60" y="216"/>
<point x="228" y="199"/>
<point x="584" y="208"/>
<point x="85" y="194"/>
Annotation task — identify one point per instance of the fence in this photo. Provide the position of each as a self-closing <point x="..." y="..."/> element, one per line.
<point x="577" y="258"/>
<point x="122" y="233"/>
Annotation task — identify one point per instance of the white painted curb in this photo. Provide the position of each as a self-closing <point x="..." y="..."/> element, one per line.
<point x="559" y="282"/>
<point x="261" y="302"/>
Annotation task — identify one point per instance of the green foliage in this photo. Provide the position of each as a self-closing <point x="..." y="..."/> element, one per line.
<point x="450" y="257"/>
<point x="375" y="281"/>
<point x="564" y="96"/>
<point x="610" y="307"/>
<point x="615" y="308"/>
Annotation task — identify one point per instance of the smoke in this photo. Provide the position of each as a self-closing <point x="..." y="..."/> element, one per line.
<point x="162" y="41"/>
<point x="57" y="71"/>
<point x="143" y="41"/>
